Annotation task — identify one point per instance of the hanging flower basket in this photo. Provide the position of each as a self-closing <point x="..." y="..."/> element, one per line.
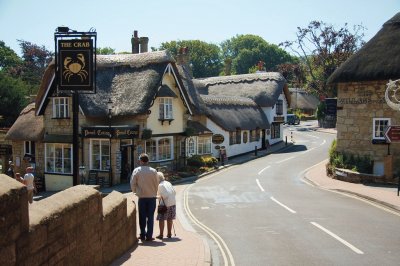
<point x="147" y="133"/>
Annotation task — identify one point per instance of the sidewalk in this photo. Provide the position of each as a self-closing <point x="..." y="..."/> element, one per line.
<point x="383" y="195"/>
<point x="187" y="247"/>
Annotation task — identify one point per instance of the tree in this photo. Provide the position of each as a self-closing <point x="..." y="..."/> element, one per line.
<point x="13" y="98"/>
<point x="35" y="61"/>
<point x="322" y="49"/>
<point x="105" y="50"/>
<point x="205" y="57"/>
<point x="246" y="51"/>
<point x="9" y="60"/>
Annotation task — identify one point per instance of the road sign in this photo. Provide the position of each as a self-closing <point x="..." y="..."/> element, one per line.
<point x="392" y="134"/>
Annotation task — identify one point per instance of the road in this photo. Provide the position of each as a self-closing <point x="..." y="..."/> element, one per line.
<point x="263" y="213"/>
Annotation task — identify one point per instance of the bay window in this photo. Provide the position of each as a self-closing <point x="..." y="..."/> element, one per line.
<point x="160" y="149"/>
<point x="204" y="145"/>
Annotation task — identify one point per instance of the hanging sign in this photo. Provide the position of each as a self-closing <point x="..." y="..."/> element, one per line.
<point x="75" y="64"/>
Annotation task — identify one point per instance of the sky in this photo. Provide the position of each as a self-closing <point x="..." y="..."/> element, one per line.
<point x="212" y="21"/>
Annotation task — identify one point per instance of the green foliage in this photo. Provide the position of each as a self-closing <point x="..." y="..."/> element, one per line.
<point x="246" y="51"/>
<point x="9" y="60"/>
<point x="201" y="161"/>
<point x="147" y="133"/>
<point x="321" y="110"/>
<point x="13" y="100"/>
<point x="362" y="164"/>
<point x="105" y="50"/>
<point x="204" y="57"/>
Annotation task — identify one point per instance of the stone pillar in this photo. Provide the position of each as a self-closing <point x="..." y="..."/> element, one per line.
<point x="388" y="166"/>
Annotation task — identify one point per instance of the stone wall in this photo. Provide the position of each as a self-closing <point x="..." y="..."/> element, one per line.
<point x="358" y="104"/>
<point x="73" y="227"/>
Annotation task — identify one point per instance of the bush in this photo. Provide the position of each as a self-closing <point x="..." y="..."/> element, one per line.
<point x="200" y="161"/>
<point x="362" y="164"/>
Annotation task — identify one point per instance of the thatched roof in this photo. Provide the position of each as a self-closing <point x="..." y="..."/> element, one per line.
<point x="27" y="127"/>
<point x="378" y="59"/>
<point x="235" y="112"/>
<point x="131" y="81"/>
<point x="198" y="106"/>
<point x="303" y="100"/>
<point x="198" y="128"/>
<point x="262" y="88"/>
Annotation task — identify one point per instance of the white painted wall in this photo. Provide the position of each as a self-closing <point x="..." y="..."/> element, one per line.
<point x="231" y="150"/>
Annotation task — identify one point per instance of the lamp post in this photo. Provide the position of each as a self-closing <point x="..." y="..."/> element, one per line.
<point x="109" y="107"/>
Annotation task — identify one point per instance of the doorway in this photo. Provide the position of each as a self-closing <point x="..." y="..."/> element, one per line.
<point x="127" y="162"/>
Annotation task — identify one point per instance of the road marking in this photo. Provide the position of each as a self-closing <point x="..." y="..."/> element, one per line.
<point x="344" y="242"/>
<point x="287" y="159"/>
<point x="217" y="239"/>
<point x="259" y="185"/>
<point x="283" y="205"/>
<point x="308" y="150"/>
<point x="262" y="170"/>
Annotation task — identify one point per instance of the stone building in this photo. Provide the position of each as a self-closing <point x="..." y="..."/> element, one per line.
<point x="362" y="112"/>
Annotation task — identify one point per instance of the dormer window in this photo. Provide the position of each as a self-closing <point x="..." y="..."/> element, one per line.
<point x="165" y="105"/>
<point x="61" y="107"/>
<point x="279" y="107"/>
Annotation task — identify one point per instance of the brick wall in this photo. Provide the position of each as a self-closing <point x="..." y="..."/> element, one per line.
<point x="73" y="227"/>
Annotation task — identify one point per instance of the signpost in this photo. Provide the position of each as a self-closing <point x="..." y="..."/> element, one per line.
<point x="392" y="134"/>
<point x="76" y="72"/>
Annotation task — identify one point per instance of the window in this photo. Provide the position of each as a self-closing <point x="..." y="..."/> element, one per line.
<point x="29" y="147"/>
<point x="204" y="145"/>
<point x="254" y="135"/>
<point x="100" y="154"/>
<point x="60" y="108"/>
<point x="160" y="149"/>
<point x="58" y="158"/>
<point x="235" y="137"/>
<point x="275" y="131"/>
<point x="245" y="137"/>
<point x="191" y="146"/>
<point x="380" y="125"/>
<point x="165" y="108"/>
<point x="279" y="107"/>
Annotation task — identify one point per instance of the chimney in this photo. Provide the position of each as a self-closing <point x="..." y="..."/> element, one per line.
<point x="260" y="66"/>
<point x="183" y="59"/>
<point x="144" y="44"/>
<point x="228" y="67"/>
<point x="135" y="42"/>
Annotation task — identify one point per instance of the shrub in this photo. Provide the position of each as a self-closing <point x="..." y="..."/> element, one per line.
<point x="199" y="161"/>
<point x="363" y="164"/>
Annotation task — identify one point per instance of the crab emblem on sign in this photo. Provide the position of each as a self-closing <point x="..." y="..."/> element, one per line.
<point x="75" y="67"/>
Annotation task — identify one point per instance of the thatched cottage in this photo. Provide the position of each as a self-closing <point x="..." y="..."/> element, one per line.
<point x="156" y="108"/>
<point x="363" y="114"/>
<point x="304" y="101"/>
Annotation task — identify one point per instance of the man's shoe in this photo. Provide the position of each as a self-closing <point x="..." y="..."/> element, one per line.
<point x="142" y="238"/>
<point x="149" y="238"/>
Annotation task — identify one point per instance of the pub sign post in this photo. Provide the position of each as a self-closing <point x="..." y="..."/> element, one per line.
<point x="75" y="71"/>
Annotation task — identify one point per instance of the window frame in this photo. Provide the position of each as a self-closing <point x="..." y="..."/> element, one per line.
<point x="29" y="147"/>
<point x="275" y="130"/>
<point x="157" y="156"/>
<point x="374" y="125"/>
<point x="279" y="107"/>
<point x="102" y="143"/>
<point x="165" y="108"/>
<point x="54" y="158"/>
<point x="203" y="145"/>
<point x="61" y="103"/>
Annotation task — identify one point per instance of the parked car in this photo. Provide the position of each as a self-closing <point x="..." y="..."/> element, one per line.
<point x="292" y="119"/>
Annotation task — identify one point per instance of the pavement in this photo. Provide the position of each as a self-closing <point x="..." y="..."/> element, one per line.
<point x="189" y="248"/>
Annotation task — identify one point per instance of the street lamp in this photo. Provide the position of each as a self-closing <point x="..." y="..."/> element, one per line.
<point x="109" y="107"/>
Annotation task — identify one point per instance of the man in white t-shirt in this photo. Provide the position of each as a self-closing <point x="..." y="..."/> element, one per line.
<point x="29" y="181"/>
